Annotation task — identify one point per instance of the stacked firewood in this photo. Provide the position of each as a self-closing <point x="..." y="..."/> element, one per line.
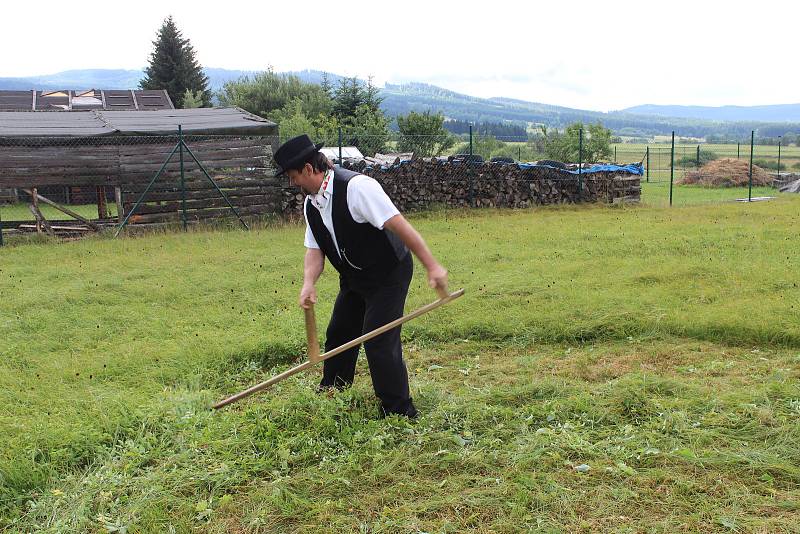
<point x="423" y="183"/>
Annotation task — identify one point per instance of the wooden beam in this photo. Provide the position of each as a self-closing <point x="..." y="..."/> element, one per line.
<point x="135" y="103"/>
<point x="40" y="220"/>
<point x="311" y="335"/>
<point x="61" y="208"/>
<point x="58" y="227"/>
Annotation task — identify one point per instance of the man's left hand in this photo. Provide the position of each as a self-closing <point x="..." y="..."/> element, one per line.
<point x="437" y="278"/>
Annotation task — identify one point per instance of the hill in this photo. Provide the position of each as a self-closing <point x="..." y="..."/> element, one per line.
<point x="773" y="113"/>
<point x="688" y="121"/>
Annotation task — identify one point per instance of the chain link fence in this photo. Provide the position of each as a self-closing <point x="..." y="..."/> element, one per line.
<point x="101" y="179"/>
<point x="77" y="185"/>
<point x="702" y="173"/>
<point x="686" y="173"/>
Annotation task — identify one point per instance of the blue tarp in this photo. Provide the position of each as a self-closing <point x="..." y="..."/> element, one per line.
<point x="632" y="168"/>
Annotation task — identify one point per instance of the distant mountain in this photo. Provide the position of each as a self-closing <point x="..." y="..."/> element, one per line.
<point x="774" y="113"/>
<point x="77" y="79"/>
<point x="105" y="79"/>
<point x="400" y="99"/>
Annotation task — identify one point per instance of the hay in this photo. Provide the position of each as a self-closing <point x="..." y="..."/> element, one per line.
<point x="726" y="172"/>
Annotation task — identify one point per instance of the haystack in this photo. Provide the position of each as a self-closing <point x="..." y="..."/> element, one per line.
<point x="726" y="172"/>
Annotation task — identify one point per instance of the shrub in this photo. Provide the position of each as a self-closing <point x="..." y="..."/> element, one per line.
<point x="768" y="164"/>
<point x="691" y="161"/>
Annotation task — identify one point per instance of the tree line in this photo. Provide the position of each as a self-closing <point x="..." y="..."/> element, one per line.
<point x="352" y="108"/>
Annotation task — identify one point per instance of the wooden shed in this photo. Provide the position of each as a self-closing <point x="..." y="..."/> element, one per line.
<point x="83" y="157"/>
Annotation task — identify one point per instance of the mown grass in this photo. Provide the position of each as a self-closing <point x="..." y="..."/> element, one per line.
<point x="657" y="194"/>
<point x="617" y="370"/>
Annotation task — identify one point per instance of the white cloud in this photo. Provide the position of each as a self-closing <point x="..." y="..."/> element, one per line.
<point x="596" y="55"/>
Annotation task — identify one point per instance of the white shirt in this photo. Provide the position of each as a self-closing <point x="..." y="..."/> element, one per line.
<point x="366" y="200"/>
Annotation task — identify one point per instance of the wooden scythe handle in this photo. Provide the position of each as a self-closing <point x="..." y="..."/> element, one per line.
<point x="338" y="350"/>
<point x="311" y="334"/>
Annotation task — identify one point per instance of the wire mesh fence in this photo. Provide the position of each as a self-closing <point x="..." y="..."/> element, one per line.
<point x="67" y="180"/>
<point x="687" y="173"/>
<point x="80" y="184"/>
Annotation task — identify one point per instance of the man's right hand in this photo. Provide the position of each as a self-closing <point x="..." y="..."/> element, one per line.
<point x="308" y="296"/>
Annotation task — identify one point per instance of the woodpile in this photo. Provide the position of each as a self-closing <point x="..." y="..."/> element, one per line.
<point x="726" y="172"/>
<point x="422" y="183"/>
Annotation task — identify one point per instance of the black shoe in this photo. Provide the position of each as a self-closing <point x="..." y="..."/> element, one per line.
<point x="410" y="412"/>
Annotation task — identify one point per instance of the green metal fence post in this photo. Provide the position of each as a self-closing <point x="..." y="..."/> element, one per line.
<point x="519" y="152"/>
<point x="1" y="231"/>
<point x="615" y="153"/>
<point x="671" y="167"/>
<point x="340" y="146"/>
<point x="647" y="157"/>
<point x="183" y="179"/>
<point x="750" y="179"/>
<point x="698" y="156"/>
<point x="738" y="146"/>
<point x="779" y="157"/>
<point x="580" y="163"/>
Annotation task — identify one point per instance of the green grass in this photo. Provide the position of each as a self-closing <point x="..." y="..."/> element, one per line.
<point x="21" y="212"/>
<point x="657" y="194"/>
<point x="659" y="347"/>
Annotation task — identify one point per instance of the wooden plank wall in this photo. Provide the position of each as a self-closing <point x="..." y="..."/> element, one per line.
<point x="242" y="168"/>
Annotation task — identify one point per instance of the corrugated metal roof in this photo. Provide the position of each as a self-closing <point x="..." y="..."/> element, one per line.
<point x="160" y="122"/>
<point x="68" y="100"/>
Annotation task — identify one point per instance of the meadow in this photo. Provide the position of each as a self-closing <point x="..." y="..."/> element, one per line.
<point x="686" y="156"/>
<point x="625" y="369"/>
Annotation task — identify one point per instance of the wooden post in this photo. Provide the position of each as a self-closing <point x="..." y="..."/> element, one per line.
<point x="102" y="209"/>
<point x="35" y="209"/>
<point x="118" y="198"/>
<point x="41" y="221"/>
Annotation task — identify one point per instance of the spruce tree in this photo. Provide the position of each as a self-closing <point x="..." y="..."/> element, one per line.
<point x="173" y="66"/>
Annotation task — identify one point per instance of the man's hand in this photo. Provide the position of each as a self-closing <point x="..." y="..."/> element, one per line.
<point x="437" y="279"/>
<point x="308" y="296"/>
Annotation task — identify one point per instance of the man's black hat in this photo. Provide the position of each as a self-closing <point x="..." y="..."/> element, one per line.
<point x="294" y="151"/>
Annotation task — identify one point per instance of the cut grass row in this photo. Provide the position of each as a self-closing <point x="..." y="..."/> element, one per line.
<point x="657" y="346"/>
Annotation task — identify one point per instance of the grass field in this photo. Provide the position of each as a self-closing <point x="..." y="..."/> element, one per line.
<point x="610" y="370"/>
<point x="21" y="212"/>
<point x="685" y="157"/>
<point x="657" y="194"/>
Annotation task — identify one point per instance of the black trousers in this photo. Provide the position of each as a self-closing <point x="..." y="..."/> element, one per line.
<point x="361" y="306"/>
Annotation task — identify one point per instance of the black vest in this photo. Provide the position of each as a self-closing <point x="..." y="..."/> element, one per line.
<point x="364" y="251"/>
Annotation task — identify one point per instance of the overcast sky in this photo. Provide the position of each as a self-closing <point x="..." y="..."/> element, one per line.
<point x="592" y="55"/>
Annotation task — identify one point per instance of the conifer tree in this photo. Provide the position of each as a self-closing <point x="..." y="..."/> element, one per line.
<point x="173" y="66"/>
